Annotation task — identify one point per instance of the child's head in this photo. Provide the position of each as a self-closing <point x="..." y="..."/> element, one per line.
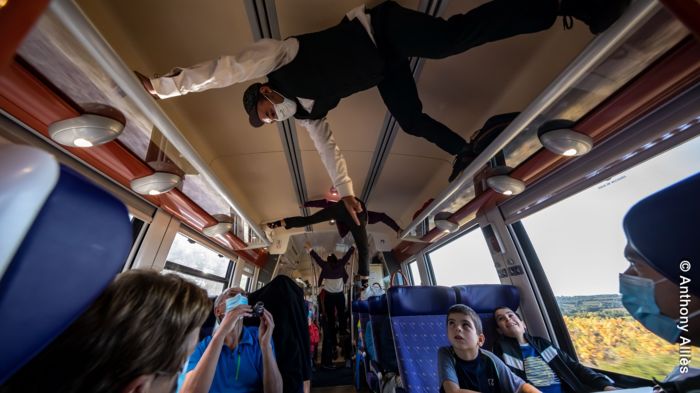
<point x="508" y="323"/>
<point x="464" y="330"/>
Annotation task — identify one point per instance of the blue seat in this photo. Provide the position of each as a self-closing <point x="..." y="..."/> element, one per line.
<point x="383" y="337"/>
<point x="418" y="320"/>
<point x="485" y="299"/>
<point x="67" y="242"/>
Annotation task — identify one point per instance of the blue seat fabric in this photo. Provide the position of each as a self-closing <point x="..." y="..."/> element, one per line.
<point x="76" y="246"/>
<point x="418" y="321"/>
<point x="485" y="299"/>
<point x="418" y="317"/>
<point x="383" y="337"/>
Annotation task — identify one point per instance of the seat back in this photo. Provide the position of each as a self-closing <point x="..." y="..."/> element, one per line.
<point x="77" y="239"/>
<point x="485" y="299"/>
<point x="383" y="337"/>
<point x="418" y="322"/>
<point x="207" y="328"/>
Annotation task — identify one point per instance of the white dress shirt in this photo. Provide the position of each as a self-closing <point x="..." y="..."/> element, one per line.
<point x="256" y="61"/>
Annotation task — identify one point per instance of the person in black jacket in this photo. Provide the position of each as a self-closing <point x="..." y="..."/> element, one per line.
<point x="309" y="74"/>
<point x="539" y="362"/>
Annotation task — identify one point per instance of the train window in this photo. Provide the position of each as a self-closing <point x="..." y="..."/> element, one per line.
<point x="197" y="263"/>
<point x="245" y="282"/>
<point x="415" y="274"/>
<point x="464" y="260"/>
<point x="213" y="288"/>
<point x="192" y="254"/>
<point x="579" y="242"/>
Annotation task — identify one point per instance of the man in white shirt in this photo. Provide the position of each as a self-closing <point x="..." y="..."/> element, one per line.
<point x="309" y="74"/>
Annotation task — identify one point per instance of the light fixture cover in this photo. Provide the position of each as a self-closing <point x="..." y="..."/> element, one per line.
<point x="217" y="229"/>
<point x="444" y="224"/>
<point x="156" y="183"/>
<point x="505" y="185"/>
<point x="85" y="130"/>
<point x="558" y="137"/>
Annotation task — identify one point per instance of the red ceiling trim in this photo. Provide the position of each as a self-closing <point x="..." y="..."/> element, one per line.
<point x="673" y="73"/>
<point x="16" y="20"/>
<point x="36" y="104"/>
<point x="687" y="11"/>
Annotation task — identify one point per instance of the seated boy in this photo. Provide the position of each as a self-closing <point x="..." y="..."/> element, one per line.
<point x="540" y="362"/>
<point x="464" y="367"/>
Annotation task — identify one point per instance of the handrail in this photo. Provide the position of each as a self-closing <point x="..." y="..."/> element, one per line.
<point x="601" y="47"/>
<point x="86" y="34"/>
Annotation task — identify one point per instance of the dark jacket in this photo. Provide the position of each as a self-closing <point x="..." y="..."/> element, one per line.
<point x="574" y="376"/>
<point x="330" y="65"/>
<point x="332" y="271"/>
<point x="372" y="217"/>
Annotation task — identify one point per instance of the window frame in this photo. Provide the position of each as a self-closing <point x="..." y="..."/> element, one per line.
<point x="623" y="151"/>
<point x="473" y="226"/>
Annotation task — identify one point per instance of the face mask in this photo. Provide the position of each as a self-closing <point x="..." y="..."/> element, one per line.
<point x="235" y="301"/>
<point x="638" y="298"/>
<point x="284" y="110"/>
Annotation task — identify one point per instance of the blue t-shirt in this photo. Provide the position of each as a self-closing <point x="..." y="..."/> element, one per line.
<point x="538" y="371"/>
<point x="239" y="369"/>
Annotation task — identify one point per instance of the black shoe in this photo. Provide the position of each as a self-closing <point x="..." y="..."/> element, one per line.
<point x="491" y="129"/>
<point x="597" y="14"/>
<point x="274" y="224"/>
<point x="462" y="160"/>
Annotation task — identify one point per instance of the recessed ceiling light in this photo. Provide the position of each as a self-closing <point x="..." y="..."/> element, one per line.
<point x="86" y="130"/>
<point x="217" y="229"/>
<point x="156" y="183"/>
<point x="558" y="137"/>
<point x="443" y="223"/>
<point x="505" y="185"/>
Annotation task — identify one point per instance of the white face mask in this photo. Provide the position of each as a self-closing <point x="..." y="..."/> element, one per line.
<point x="284" y="110"/>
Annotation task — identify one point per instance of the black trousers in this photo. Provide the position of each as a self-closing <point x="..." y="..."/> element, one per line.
<point x="340" y="214"/>
<point x="402" y="33"/>
<point x="334" y="304"/>
<point x="285" y="301"/>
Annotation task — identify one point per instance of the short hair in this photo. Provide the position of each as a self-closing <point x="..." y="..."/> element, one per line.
<point x="137" y="326"/>
<point x="468" y="311"/>
<point x="332" y="259"/>
<point x="505" y="307"/>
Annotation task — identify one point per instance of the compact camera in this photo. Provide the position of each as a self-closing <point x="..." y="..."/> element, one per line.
<point x="258" y="309"/>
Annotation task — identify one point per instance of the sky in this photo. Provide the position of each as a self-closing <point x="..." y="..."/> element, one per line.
<point x="579" y="240"/>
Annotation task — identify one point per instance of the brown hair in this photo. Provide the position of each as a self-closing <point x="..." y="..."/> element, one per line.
<point x="137" y="326"/>
<point x="469" y="312"/>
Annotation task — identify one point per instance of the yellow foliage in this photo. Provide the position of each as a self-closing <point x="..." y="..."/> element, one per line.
<point x="621" y="345"/>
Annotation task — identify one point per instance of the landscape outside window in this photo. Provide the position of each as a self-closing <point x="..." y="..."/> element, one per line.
<point x="580" y="244"/>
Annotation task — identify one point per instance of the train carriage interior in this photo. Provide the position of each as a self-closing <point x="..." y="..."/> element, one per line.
<point x="99" y="177"/>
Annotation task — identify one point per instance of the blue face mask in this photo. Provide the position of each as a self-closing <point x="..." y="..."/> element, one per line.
<point x="235" y="301"/>
<point x="638" y="298"/>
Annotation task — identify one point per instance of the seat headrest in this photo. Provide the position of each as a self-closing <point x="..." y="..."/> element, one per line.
<point x="360" y="306"/>
<point x="485" y="298"/>
<point x="663" y="229"/>
<point x="75" y="245"/>
<point x="378" y="305"/>
<point x="405" y="301"/>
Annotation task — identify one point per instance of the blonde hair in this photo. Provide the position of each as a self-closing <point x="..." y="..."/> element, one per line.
<point x="137" y="326"/>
